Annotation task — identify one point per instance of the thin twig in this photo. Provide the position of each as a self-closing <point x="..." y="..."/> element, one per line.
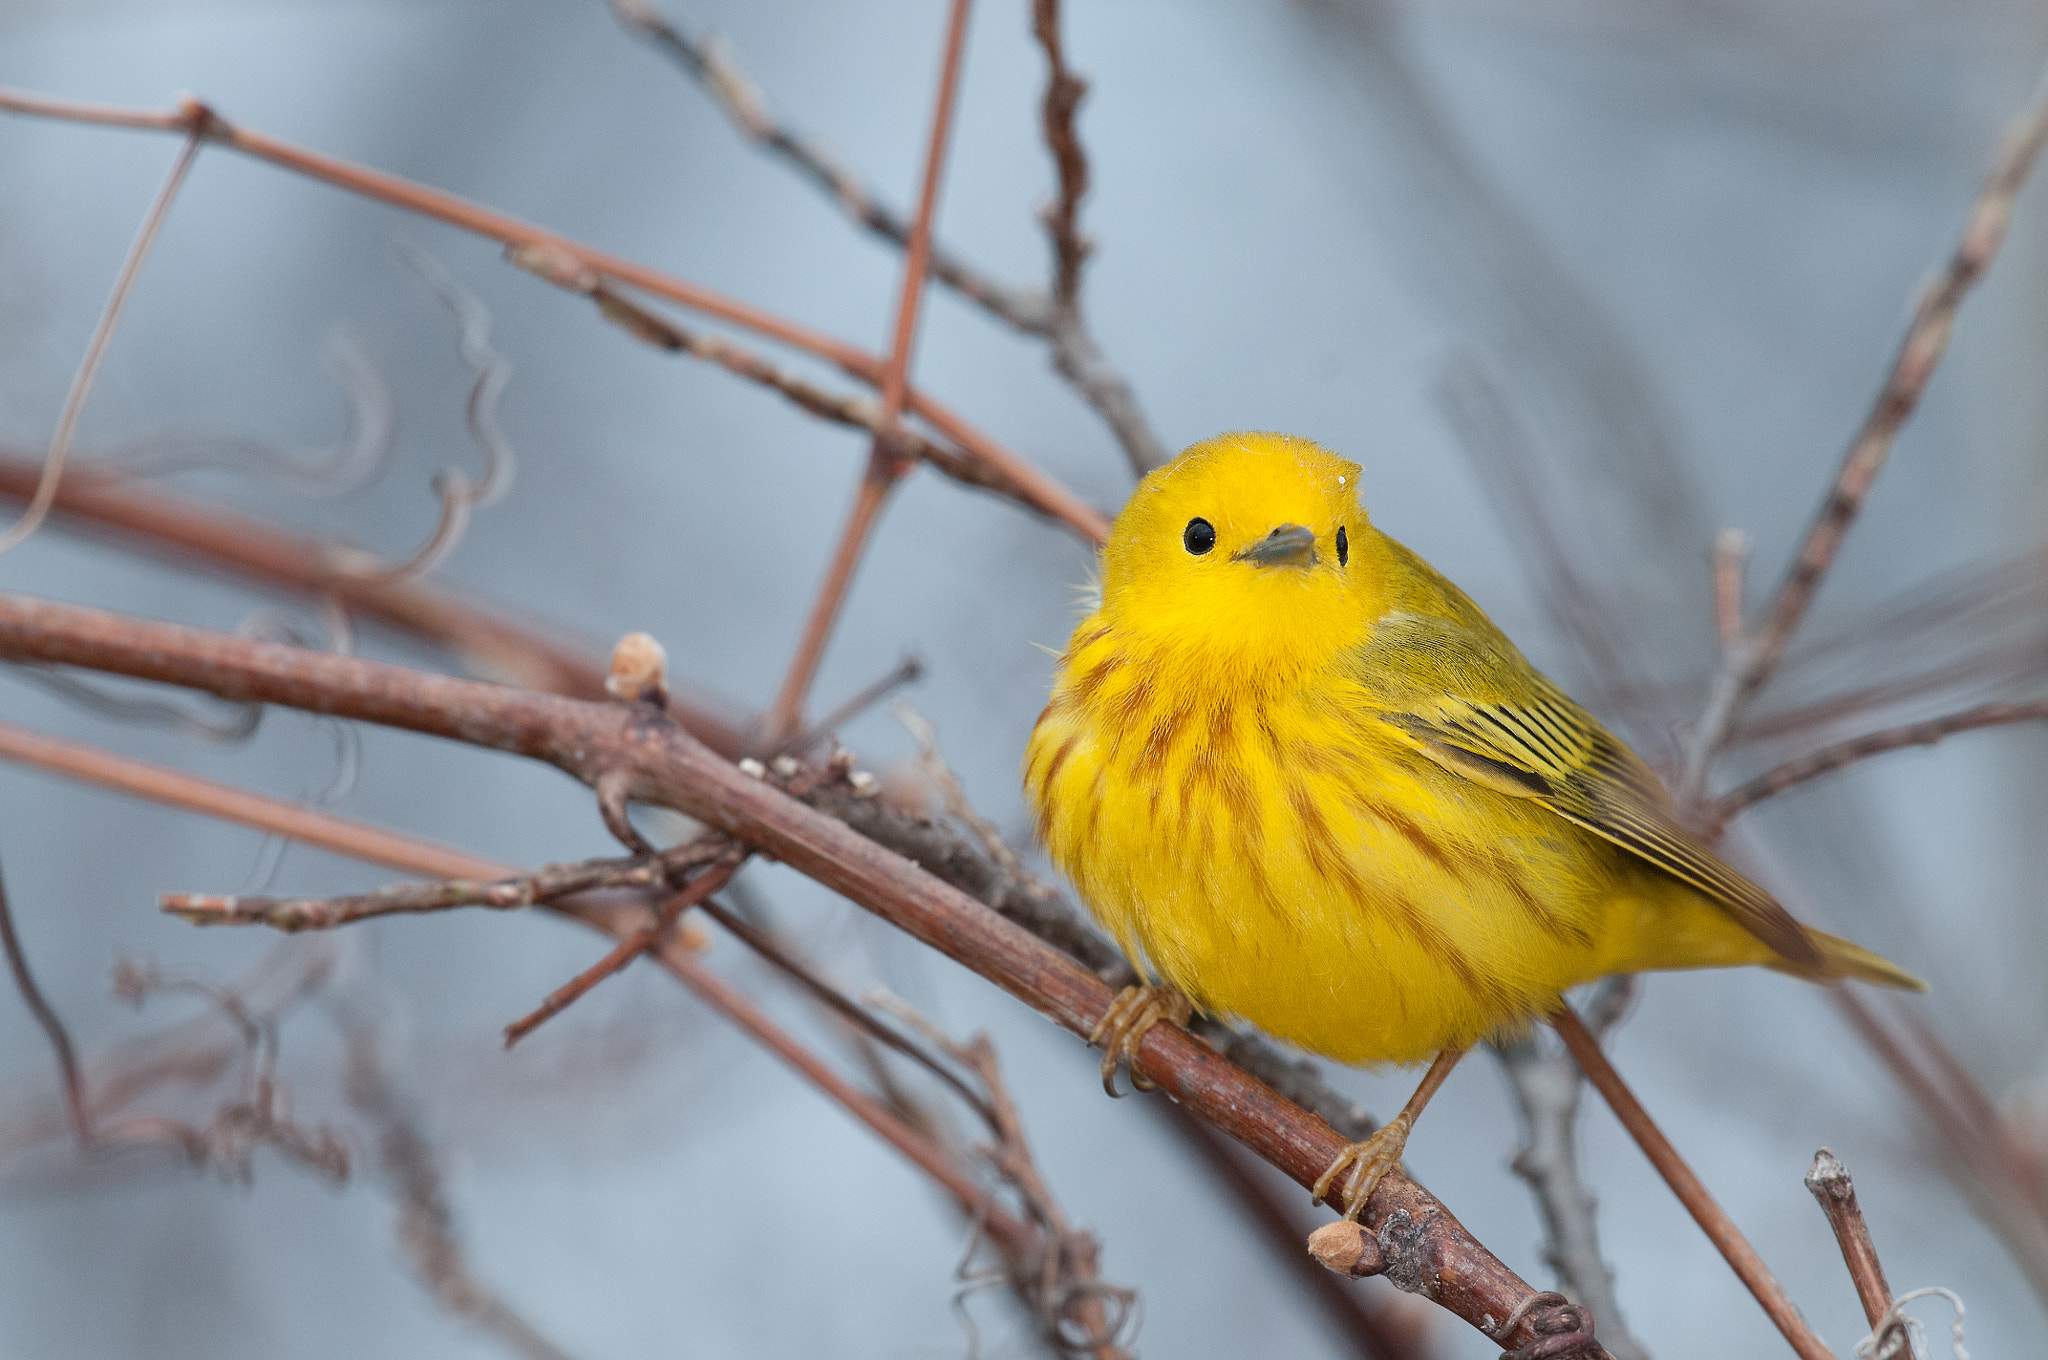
<point x="886" y="467"/>
<point x="1751" y="664"/>
<point x="1845" y="753"/>
<point x="195" y="119"/>
<point x="1076" y="354"/>
<point x="75" y="1106"/>
<point x="96" y="348"/>
<point x="1712" y="1218"/>
<point x="1731" y="551"/>
<point x="543" y="886"/>
<point x="907" y="671"/>
<point x="647" y="938"/>
<point x="568" y="272"/>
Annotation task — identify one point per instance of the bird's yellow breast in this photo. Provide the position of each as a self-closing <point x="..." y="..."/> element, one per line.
<point x="1278" y="855"/>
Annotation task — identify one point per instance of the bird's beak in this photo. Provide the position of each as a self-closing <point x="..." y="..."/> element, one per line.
<point x="1290" y="545"/>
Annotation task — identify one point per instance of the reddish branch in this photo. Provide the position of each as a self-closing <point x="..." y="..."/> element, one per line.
<point x="194" y="118"/>
<point x="887" y="464"/>
<point x="1427" y="1251"/>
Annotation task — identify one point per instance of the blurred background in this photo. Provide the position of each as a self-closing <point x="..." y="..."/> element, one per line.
<point x="1674" y="242"/>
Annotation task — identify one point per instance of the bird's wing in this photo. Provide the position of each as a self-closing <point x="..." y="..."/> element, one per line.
<point x="1470" y="702"/>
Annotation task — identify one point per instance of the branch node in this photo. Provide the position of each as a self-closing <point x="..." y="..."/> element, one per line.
<point x="1348" y="1249"/>
<point x="639" y="671"/>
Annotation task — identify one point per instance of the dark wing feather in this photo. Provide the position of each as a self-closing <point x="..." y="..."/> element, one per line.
<point x="1498" y="721"/>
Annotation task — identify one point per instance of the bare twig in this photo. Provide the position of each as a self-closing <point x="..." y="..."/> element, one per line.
<point x="1752" y="663"/>
<point x="1053" y="316"/>
<point x="96" y="348"/>
<point x="1075" y="353"/>
<point x="505" y="894"/>
<point x="1731" y="551"/>
<point x="195" y="119"/>
<point x="886" y="466"/>
<point x="75" y="1106"/>
<point x="907" y="671"/>
<point x="711" y="67"/>
<point x="1845" y="753"/>
<point x="1427" y="1252"/>
<point x="1829" y="1182"/>
<point x="568" y="272"/>
<point x="715" y="876"/>
<point x="1712" y="1218"/>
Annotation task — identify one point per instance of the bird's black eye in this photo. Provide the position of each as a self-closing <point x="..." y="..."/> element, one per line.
<point x="1199" y="536"/>
<point x="1343" y="547"/>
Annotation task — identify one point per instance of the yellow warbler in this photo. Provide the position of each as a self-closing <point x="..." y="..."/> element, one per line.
<point x="1306" y="782"/>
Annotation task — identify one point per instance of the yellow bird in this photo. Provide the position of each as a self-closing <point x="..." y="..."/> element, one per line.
<point x="1307" y="783"/>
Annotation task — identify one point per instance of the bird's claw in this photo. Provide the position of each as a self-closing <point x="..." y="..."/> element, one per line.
<point x="1124" y="1025"/>
<point x="1369" y="1162"/>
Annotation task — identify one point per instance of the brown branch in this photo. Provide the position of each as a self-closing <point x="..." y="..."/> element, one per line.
<point x="1829" y="1182"/>
<point x="195" y="119"/>
<point x="641" y="941"/>
<point x="75" y="1107"/>
<point x="1845" y="753"/>
<point x="1752" y="663"/>
<point x="886" y="465"/>
<point x="1698" y="1201"/>
<point x="1427" y="1251"/>
<point x="567" y="272"/>
<point x="543" y="886"/>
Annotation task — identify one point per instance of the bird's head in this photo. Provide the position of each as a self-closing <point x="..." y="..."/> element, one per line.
<point x="1247" y="546"/>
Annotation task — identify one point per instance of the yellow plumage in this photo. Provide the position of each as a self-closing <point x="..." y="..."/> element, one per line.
<point x="1309" y="784"/>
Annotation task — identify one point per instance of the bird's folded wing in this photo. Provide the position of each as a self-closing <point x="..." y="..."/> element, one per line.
<point x="1471" y="703"/>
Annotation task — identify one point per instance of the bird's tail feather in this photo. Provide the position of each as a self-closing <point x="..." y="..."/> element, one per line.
<point x="1841" y="959"/>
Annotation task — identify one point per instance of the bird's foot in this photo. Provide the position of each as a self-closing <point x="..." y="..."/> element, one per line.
<point x="1123" y="1026"/>
<point x="1368" y="1162"/>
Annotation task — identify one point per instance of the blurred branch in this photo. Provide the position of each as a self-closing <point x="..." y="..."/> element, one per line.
<point x="96" y="348"/>
<point x="196" y="120"/>
<point x="426" y="1221"/>
<point x="634" y="747"/>
<point x="1546" y="1087"/>
<point x="1828" y="759"/>
<point x="1753" y="660"/>
<point x="75" y="1107"/>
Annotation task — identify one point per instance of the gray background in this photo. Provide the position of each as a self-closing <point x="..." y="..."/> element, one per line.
<point x="1674" y="231"/>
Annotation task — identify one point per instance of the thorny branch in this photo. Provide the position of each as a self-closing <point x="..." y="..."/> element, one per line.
<point x="1425" y="1249"/>
<point x="1054" y="316"/>
<point x="1754" y="659"/>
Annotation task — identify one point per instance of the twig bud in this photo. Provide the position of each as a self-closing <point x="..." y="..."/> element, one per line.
<point x="1347" y="1248"/>
<point x="639" y="673"/>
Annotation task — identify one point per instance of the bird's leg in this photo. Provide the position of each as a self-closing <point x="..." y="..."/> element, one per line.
<point x="1381" y="1153"/>
<point x="1122" y="1028"/>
